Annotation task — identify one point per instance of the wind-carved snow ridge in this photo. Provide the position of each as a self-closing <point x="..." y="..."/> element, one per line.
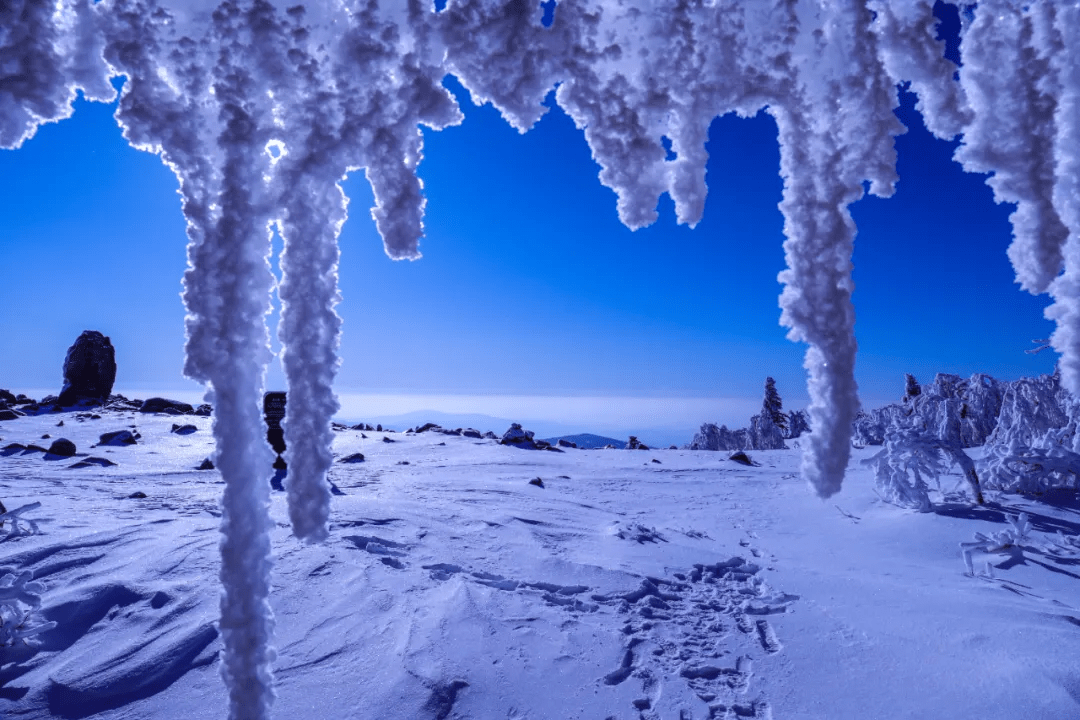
<point x="261" y="107"/>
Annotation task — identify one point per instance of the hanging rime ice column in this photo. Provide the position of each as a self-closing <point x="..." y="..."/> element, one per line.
<point x="355" y="82"/>
<point x="1062" y="51"/>
<point x="194" y="95"/>
<point x="836" y="131"/>
<point x="1021" y="78"/>
<point x="634" y="74"/>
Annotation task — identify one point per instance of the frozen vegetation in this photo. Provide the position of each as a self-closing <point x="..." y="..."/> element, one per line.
<point x="260" y="107"/>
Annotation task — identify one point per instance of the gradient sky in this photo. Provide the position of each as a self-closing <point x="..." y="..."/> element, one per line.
<point x="529" y="286"/>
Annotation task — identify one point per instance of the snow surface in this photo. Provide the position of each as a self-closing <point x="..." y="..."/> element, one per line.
<point x="450" y="587"/>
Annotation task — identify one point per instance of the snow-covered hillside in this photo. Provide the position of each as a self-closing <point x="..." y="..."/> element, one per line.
<point x="660" y="584"/>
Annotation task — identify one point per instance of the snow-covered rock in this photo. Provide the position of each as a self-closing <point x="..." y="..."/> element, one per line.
<point x="518" y="437"/>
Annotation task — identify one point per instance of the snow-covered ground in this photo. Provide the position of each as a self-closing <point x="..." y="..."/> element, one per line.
<point x="667" y="584"/>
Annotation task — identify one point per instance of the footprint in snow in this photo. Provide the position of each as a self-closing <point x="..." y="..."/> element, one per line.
<point x="681" y="628"/>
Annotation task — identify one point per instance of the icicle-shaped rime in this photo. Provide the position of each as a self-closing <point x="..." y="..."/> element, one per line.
<point x="910" y="54"/>
<point x="1011" y="134"/>
<point x="1063" y="54"/>
<point x="836" y="130"/>
<point x="194" y="101"/>
<point x="47" y="49"/>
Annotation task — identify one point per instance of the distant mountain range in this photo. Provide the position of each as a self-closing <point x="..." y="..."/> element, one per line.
<point x="541" y="428"/>
<point x="588" y="441"/>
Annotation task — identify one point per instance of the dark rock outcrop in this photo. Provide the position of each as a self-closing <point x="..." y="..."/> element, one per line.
<point x="62" y="447"/>
<point x="119" y="438"/>
<point x="89" y="369"/>
<point x="516" y="437"/>
<point x="164" y="405"/>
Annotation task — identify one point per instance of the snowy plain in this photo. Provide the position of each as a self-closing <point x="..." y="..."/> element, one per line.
<point x="658" y="584"/>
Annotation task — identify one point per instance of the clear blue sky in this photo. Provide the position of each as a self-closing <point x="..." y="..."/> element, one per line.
<point x="529" y="285"/>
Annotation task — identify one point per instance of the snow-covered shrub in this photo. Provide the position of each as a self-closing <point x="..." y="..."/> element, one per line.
<point x="798" y="424"/>
<point x="1034" y="446"/>
<point x="20" y="597"/>
<point x="714" y="437"/>
<point x="975" y="402"/>
<point x="1030" y="409"/>
<point x="998" y="542"/>
<point x="1017" y="468"/>
<point x="19" y="525"/>
<point x="915" y="452"/>
<point x="766" y="432"/>
<point x="902" y="467"/>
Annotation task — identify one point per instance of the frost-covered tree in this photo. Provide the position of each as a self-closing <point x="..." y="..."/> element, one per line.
<point x="773" y="406"/>
<point x="1034" y="447"/>
<point x="798" y="424"/>
<point x="911" y="387"/>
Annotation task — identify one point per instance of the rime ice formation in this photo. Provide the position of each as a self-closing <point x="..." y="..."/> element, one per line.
<point x="261" y="106"/>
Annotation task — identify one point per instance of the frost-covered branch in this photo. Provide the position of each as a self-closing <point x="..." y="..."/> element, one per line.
<point x="996" y="542"/>
<point x="20" y="597"/>
<point x="19" y="525"/>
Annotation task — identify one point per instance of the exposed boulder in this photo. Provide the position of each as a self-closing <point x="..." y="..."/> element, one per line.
<point x="354" y="458"/>
<point x="119" y="438"/>
<point x="741" y="458"/>
<point x="204" y="410"/>
<point x="7" y="397"/>
<point x="119" y="402"/>
<point x="516" y="437"/>
<point x="183" y="429"/>
<point x="9" y="414"/>
<point x="92" y="462"/>
<point x="471" y="433"/>
<point x="89" y="369"/>
<point x="164" y="405"/>
<point x="566" y="443"/>
<point x="206" y="464"/>
<point x="428" y="426"/>
<point x="635" y="444"/>
<point x="62" y="447"/>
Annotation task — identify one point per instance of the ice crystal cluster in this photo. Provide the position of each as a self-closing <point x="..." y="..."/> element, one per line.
<point x="260" y="107"/>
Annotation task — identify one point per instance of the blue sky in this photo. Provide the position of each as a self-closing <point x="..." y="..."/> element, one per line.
<point x="529" y="286"/>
